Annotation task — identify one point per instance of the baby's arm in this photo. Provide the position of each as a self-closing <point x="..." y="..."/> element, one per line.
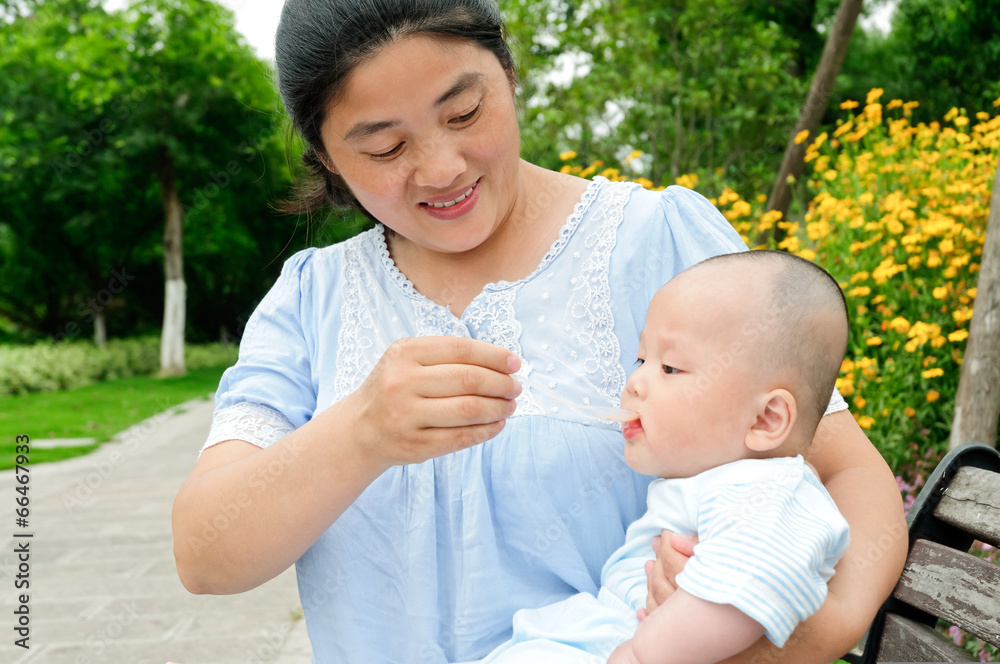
<point x="688" y="630"/>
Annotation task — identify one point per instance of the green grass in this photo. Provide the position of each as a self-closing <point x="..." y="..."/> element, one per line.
<point x="96" y="411"/>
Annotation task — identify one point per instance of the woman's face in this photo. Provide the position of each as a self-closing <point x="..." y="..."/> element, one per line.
<point x="425" y="135"/>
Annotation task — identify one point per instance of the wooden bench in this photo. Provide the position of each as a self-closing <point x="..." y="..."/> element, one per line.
<point x="959" y="504"/>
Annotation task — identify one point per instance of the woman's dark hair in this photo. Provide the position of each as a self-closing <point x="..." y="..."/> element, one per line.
<point x="320" y="42"/>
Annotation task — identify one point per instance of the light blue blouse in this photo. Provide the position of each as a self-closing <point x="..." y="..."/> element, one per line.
<point x="433" y="559"/>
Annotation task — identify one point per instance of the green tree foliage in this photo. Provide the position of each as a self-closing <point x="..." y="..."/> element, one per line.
<point x="942" y="53"/>
<point x="696" y="86"/>
<point x="90" y="98"/>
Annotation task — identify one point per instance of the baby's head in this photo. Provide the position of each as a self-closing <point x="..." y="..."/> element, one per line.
<point x="738" y="360"/>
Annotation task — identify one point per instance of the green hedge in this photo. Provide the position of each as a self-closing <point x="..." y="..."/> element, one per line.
<point x="47" y="366"/>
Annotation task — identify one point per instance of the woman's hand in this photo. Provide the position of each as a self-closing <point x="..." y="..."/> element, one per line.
<point x="661" y="573"/>
<point x="429" y="396"/>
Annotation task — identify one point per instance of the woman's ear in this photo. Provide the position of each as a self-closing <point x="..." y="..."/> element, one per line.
<point x="774" y="421"/>
<point x="325" y="158"/>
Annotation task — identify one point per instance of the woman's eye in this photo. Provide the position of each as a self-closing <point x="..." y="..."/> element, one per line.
<point x="468" y="116"/>
<point x="390" y="153"/>
<point x="667" y="369"/>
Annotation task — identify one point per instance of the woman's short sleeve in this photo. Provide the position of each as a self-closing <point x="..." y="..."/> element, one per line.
<point x="695" y="230"/>
<point x="269" y="392"/>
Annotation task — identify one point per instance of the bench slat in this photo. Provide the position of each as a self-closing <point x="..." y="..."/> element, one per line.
<point x="972" y="503"/>
<point x="906" y="641"/>
<point x="954" y="585"/>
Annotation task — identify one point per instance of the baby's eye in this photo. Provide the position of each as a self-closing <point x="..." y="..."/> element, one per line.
<point x="639" y="361"/>
<point x="667" y="369"/>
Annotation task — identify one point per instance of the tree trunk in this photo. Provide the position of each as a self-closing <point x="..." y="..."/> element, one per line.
<point x="100" y="330"/>
<point x="819" y="96"/>
<point x="977" y="404"/>
<point x="172" y="338"/>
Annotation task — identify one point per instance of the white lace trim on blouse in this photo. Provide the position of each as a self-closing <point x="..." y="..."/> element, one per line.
<point x="253" y="422"/>
<point x="491" y="316"/>
<point x="837" y="403"/>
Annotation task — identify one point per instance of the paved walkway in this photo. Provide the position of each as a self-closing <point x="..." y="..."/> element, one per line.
<point x="103" y="584"/>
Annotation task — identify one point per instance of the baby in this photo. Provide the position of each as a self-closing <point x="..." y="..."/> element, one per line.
<point x="737" y="364"/>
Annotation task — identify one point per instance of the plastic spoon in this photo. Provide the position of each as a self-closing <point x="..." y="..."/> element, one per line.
<point x="611" y="413"/>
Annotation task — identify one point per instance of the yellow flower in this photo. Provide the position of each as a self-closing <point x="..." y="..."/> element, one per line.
<point x="860" y="291"/>
<point x="846" y="366"/>
<point x="635" y="154"/>
<point x="874" y="341"/>
<point x="895" y="103"/>
<point x="997" y="102"/>
<point x="958" y="335"/>
<point x="933" y="396"/>
<point x="847" y="105"/>
<point x="566" y="156"/>
<point x="909" y="412"/>
<point x="859" y="401"/>
<point x="647" y="184"/>
<point x="899" y="324"/>
<point x="874" y="94"/>
<point x="940" y="292"/>
<point x="801" y="136"/>
<point x="962" y="315"/>
<point x="933" y="373"/>
<point x="866" y="421"/>
<point x="866" y="198"/>
<point x="845" y="387"/>
<point x="566" y="168"/>
<point x="689" y="180"/>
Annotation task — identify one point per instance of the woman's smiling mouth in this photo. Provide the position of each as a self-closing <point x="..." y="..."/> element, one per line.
<point x="461" y="198"/>
<point x="454" y="208"/>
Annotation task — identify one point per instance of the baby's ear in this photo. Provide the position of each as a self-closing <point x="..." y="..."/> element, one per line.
<point x="774" y="422"/>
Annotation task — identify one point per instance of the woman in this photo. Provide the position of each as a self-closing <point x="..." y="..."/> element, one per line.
<point x="372" y="433"/>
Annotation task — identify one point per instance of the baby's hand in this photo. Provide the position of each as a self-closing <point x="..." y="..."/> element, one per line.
<point x="661" y="573"/>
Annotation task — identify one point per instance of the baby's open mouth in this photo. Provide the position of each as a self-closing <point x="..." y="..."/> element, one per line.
<point x="632" y="428"/>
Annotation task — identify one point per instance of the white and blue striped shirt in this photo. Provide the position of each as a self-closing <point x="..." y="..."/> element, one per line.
<point x="769" y="537"/>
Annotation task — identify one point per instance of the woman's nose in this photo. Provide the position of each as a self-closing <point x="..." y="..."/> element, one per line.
<point x="440" y="164"/>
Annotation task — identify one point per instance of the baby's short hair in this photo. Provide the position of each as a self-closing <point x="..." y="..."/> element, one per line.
<point x="795" y="330"/>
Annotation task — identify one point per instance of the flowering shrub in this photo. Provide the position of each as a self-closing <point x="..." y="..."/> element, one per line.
<point x="898" y="216"/>
<point x="47" y="366"/>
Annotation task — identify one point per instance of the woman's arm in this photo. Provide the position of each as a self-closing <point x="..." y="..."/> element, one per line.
<point x="866" y="493"/>
<point x="245" y="514"/>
